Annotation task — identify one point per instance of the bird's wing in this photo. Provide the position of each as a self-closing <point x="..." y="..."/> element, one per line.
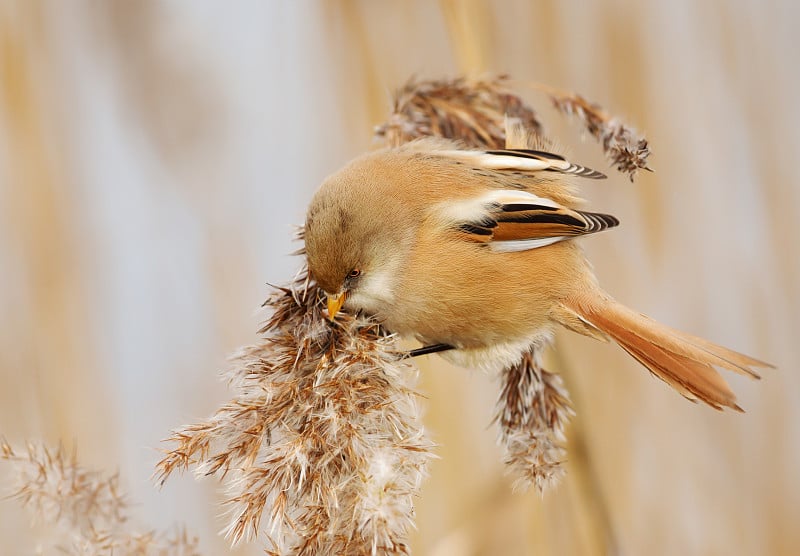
<point x="525" y="160"/>
<point x="513" y="220"/>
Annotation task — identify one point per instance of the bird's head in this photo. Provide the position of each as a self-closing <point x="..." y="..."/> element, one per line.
<point x="352" y="242"/>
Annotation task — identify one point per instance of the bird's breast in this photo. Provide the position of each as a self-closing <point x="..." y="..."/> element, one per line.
<point x="462" y="294"/>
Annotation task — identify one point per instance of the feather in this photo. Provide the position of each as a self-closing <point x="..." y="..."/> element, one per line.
<point x="683" y="361"/>
<point x="557" y="162"/>
<point x="575" y="322"/>
<point x="510" y="220"/>
<point x="522" y="160"/>
<point x="523" y="244"/>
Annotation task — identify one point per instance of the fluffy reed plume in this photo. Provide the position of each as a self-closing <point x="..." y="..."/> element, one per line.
<point x="532" y="411"/>
<point x="625" y="149"/>
<point x="321" y="447"/>
<point x="472" y="110"/>
<point x="86" y="508"/>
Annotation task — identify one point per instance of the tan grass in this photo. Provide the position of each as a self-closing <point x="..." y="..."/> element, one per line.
<point x="86" y="509"/>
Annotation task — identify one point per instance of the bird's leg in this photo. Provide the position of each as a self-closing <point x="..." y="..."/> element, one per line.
<point x="426" y="350"/>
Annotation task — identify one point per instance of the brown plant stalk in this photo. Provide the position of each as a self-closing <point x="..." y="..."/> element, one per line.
<point x="626" y="150"/>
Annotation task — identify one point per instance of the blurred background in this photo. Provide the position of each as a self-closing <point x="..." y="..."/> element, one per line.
<point x="155" y="156"/>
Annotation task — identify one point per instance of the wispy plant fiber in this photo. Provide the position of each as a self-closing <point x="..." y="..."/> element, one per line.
<point x="86" y="510"/>
<point x="321" y="448"/>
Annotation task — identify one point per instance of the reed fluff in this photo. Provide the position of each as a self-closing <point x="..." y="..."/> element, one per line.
<point x="627" y="151"/>
<point x="470" y="110"/>
<point x="532" y="412"/>
<point x="86" y="511"/>
<point x="321" y="448"/>
<point x="473" y="111"/>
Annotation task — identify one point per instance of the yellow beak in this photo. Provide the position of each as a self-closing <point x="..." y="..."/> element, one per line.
<point x="335" y="303"/>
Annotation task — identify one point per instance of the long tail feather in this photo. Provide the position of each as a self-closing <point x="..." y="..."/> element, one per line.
<point x="683" y="361"/>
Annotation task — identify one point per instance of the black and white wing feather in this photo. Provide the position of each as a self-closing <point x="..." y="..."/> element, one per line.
<point x="525" y="160"/>
<point x="512" y="220"/>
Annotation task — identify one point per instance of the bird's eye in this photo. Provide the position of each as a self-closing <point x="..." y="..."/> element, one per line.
<point x="355" y="273"/>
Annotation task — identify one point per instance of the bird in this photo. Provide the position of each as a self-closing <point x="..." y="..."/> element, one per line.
<point x="477" y="251"/>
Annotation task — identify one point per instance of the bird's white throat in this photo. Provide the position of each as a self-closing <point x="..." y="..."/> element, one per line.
<point x="375" y="290"/>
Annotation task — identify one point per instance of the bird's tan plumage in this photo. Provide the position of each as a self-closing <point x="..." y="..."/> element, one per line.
<point x="683" y="361"/>
<point x="475" y="249"/>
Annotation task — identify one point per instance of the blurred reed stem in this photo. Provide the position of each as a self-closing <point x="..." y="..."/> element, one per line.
<point x="469" y="34"/>
<point x="582" y="473"/>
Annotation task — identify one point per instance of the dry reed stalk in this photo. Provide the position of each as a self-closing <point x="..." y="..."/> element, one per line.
<point x="627" y="151"/>
<point x="87" y="508"/>
<point x="321" y="447"/>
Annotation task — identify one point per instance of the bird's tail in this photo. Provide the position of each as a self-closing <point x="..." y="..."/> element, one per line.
<point x="683" y="361"/>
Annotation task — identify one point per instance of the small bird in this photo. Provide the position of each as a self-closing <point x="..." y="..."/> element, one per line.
<point x="476" y="250"/>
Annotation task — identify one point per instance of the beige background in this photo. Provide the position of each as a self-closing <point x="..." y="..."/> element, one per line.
<point x="155" y="155"/>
